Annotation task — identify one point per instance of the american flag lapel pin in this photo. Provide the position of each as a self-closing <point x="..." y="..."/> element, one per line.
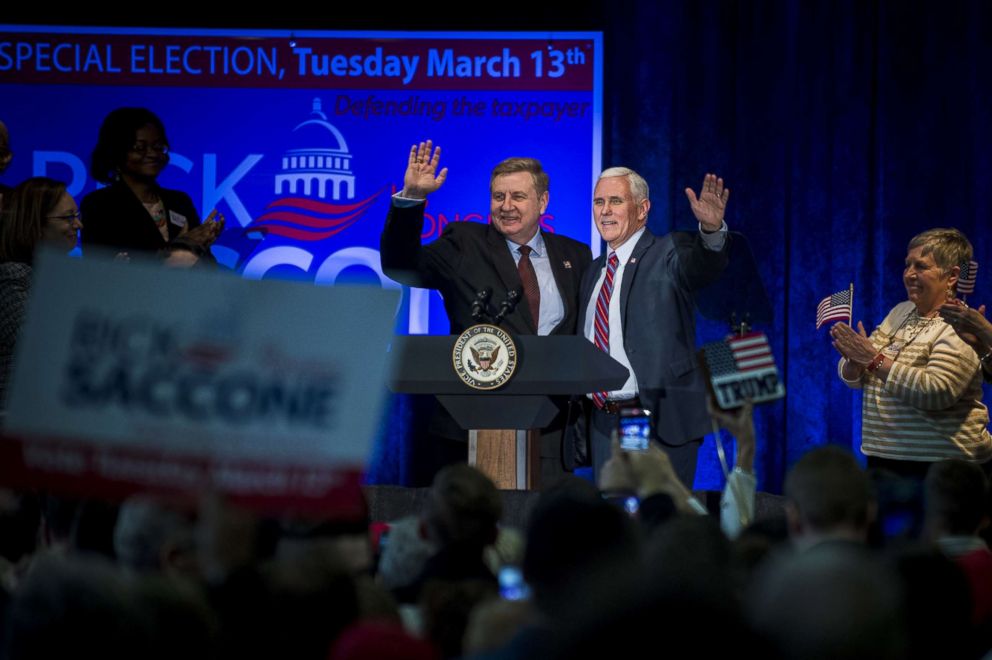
<point x="567" y="263"/>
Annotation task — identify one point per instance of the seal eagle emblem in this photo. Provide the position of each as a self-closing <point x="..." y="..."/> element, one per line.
<point x="484" y="356"/>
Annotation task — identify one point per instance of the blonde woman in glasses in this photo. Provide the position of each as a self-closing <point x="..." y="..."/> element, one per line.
<point x="38" y="211"/>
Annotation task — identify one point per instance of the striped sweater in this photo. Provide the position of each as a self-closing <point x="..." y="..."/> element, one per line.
<point x="930" y="406"/>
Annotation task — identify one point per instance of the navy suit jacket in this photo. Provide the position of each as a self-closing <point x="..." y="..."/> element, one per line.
<point x="659" y="327"/>
<point x="469" y="256"/>
<point x="115" y="217"/>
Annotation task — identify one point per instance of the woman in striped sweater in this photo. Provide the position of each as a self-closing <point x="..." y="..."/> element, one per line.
<point x="922" y="383"/>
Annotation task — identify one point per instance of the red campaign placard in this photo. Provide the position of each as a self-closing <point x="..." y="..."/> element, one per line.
<point x="91" y="469"/>
<point x="307" y="62"/>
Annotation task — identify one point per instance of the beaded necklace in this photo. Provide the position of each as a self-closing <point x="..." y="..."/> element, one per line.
<point x="914" y="325"/>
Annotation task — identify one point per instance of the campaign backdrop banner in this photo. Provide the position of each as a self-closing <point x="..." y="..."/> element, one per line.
<point x="130" y="375"/>
<point x="299" y="138"/>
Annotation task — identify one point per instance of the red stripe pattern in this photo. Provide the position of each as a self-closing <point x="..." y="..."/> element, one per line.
<point x="751" y="352"/>
<point x="308" y="220"/>
<point x="602" y="329"/>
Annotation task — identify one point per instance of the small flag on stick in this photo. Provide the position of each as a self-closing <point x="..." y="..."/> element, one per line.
<point x="835" y="307"/>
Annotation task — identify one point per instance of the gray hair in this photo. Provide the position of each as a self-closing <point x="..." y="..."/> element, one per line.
<point x="948" y="246"/>
<point x="638" y="186"/>
<point x="145" y="526"/>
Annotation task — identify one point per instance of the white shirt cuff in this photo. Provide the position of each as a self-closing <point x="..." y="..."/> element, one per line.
<point x="716" y="240"/>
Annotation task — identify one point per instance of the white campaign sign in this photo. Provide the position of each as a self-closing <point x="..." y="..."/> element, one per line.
<point x="136" y="357"/>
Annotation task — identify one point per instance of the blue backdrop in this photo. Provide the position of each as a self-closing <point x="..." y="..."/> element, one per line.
<point x="843" y="128"/>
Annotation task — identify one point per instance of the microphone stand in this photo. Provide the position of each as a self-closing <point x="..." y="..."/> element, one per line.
<point x="507" y="306"/>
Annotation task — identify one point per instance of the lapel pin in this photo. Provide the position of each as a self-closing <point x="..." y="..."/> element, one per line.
<point x="568" y="264"/>
<point x="633" y="260"/>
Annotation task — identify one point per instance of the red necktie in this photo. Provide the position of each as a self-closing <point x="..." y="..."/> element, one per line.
<point x="532" y="292"/>
<point x="602" y="328"/>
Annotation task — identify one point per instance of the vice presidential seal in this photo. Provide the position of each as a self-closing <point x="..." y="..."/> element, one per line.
<point x="484" y="356"/>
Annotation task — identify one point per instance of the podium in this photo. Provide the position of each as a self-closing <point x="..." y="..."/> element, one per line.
<point x="504" y="424"/>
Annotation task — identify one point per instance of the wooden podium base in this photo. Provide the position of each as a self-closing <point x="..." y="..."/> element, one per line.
<point x="511" y="458"/>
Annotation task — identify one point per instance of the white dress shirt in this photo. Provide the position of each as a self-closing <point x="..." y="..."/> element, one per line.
<point x="714" y="241"/>
<point x="552" y="308"/>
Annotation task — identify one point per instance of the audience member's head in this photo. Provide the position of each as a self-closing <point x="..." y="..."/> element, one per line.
<point x="828" y="497"/>
<point x="574" y="535"/>
<point x="310" y="601"/>
<point x="667" y="602"/>
<point x="692" y="552"/>
<point x="68" y="607"/>
<point x="833" y="602"/>
<point x="152" y="536"/>
<point x="405" y="551"/>
<point x="463" y="509"/>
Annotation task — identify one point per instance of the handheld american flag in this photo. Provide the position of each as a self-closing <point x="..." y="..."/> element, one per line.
<point x="966" y="281"/>
<point x="835" y="307"/>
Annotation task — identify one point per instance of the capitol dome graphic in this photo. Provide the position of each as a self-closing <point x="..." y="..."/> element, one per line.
<point x="314" y="186"/>
<point x="318" y="163"/>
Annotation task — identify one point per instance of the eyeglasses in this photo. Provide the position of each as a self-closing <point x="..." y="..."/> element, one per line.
<point x="69" y="217"/>
<point x="142" y="148"/>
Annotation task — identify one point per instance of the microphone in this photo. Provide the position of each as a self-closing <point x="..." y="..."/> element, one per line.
<point x="479" y="304"/>
<point x="508" y="305"/>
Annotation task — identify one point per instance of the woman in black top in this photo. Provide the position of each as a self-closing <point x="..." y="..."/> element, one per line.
<point x="134" y="213"/>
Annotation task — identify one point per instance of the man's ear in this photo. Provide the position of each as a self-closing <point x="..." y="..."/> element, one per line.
<point x="642" y="211"/>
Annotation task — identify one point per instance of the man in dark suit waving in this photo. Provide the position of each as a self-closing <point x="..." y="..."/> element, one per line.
<point x="637" y="304"/>
<point x="512" y="254"/>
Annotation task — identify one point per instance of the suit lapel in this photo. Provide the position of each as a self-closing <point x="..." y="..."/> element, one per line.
<point x="630" y="272"/>
<point x="506" y="269"/>
<point x="503" y="261"/>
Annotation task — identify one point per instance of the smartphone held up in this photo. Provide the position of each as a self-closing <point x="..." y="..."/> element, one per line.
<point x="634" y="429"/>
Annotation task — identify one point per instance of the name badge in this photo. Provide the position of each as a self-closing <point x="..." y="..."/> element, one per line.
<point x="177" y="219"/>
<point x="892" y="350"/>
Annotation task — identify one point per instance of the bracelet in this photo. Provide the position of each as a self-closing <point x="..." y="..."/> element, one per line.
<point x="875" y="363"/>
<point x="985" y="357"/>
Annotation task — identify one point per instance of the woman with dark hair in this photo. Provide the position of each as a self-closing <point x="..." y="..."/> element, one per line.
<point x="134" y="213"/>
<point x="38" y="210"/>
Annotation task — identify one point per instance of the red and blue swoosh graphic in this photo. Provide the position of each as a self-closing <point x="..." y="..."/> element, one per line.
<point x="308" y="220"/>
